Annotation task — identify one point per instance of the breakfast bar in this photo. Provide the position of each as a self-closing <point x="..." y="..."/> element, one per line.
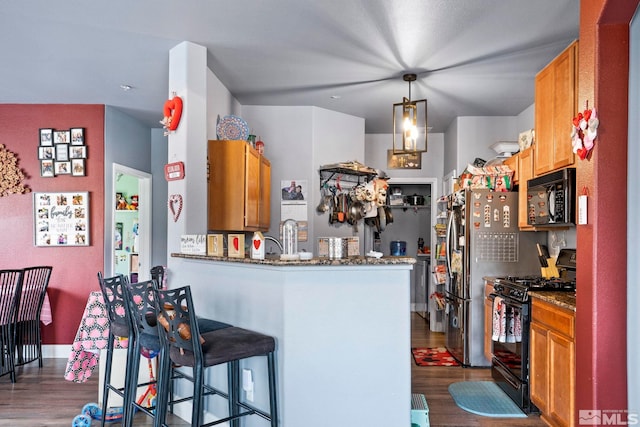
<point x="342" y="330"/>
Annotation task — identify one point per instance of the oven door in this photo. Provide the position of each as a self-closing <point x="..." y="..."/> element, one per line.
<point x="511" y="347"/>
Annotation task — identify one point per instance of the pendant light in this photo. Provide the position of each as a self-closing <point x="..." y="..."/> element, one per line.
<point x="410" y="123"/>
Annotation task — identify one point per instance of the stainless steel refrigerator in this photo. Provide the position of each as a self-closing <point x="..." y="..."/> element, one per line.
<point x="482" y="240"/>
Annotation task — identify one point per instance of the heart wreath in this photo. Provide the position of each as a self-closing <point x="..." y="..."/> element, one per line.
<point x="175" y="206"/>
<point x="584" y="131"/>
<point x="172" y="112"/>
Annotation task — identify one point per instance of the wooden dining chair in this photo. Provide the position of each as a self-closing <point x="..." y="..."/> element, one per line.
<point x="10" y="287"/>
<point x="35" y="281"/>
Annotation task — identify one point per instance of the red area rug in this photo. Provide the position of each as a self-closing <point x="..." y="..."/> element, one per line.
<point x="435" y="356"/>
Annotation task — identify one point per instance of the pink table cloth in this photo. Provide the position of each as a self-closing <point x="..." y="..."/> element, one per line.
<point x="45" y="314"/>
<point x="92" y="336"/>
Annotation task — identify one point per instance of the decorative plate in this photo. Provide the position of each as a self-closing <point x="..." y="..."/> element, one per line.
<point x="232" y="128"/>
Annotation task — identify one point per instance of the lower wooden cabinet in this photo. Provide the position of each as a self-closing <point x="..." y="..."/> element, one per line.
<point x="552" y="363"/>
<point x="488" y="321"/>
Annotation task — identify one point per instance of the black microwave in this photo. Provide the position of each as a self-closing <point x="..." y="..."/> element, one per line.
<point x="551" y="199"/>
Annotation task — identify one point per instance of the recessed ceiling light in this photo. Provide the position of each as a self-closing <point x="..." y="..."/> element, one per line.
<point x="335" y="97"/>
<point x="126" y="87"/>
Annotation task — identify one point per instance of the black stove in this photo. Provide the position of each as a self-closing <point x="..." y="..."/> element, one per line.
<point x="510" y="363"/>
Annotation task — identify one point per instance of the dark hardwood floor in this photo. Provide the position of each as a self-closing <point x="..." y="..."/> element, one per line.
<point x="41" y="397"/>
<point x="433" y="382"/>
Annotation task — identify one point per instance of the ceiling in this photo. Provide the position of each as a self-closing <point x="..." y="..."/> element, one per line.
<point x="472" y="57"/>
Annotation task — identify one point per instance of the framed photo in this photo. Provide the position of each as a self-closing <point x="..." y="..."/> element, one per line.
<point x="77" y="136"/>
<point x="62" y="152"/>
<point x="62" y="168"/>
<point x="61" y="136"/>
<point x="78" y="152"/>
<point x="404" y="161"/>
<point x="77" y="167"/>
<point x="46" y="169"/>
<point x="45" y="153"/>
<point x="118" y="237"/>
<point x="61" y="219"/>
<point x="46" y="137"/>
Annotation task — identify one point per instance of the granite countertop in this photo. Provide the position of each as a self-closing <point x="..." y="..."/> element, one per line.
<point x="562" y="299"/>
<point x="276" y="261"/>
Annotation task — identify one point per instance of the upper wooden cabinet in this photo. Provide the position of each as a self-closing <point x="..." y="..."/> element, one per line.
<point x="512" y="162"/>
<point x="556" y="98"/>
<point x="239" y="187"/>
<point x="525" y="173"/>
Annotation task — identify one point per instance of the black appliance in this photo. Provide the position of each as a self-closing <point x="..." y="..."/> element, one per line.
<point x="510" y="363"/>
<point x="551" y="199"/>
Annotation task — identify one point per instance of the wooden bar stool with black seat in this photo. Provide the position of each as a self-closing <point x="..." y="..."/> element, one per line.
<point x="10" y="290"/>
<point x="35" y="281"/>
<point x="189" y="346"/>
<point x="120" y="327"/>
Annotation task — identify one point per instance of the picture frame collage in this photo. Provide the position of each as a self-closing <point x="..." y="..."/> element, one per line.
<point x="62" y="152"/>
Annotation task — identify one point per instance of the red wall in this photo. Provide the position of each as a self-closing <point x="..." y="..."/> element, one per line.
<point x="601" y="306"/>
<point x="74" y="268"/>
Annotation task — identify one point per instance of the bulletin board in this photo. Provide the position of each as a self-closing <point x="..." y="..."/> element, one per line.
<point x="61" y="219"/>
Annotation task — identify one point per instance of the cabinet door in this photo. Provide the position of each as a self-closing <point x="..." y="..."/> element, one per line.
<point x="525" y="168"/>
<point x="539" y="367"/>
<point x="252" y="189"/>
<point x="561" y="379"/>
<point x="488" y="328"/>
<point x="512" y="162"/>
<point x="264" y="209"/>
<point x="564" y="102"/>
<point x="544" y="114"/>
<point x="226" y="161"/>
<point x="555" y="107"/>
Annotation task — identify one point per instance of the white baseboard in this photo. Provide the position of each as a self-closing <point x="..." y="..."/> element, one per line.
<point x="56" y="351"/>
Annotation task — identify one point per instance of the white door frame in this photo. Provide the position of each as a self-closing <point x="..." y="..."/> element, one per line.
<point x="144" y="218"/>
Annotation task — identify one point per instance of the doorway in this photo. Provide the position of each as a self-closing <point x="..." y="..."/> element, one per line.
<point x="131" y="223"/>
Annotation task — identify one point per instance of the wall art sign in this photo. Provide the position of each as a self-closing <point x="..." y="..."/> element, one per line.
<point x="62" y="152"/>
<point x="404" y="161"/>
<point x="61" y="219"/>
<point x="174" y="171"/>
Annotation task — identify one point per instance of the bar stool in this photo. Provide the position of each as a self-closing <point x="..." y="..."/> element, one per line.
<point x="189" y="346"/>
<point x="144" y="316"/>
<point x="142" y="312"/>
<point x="10" y="290"/>
<point x="120" y="327"/>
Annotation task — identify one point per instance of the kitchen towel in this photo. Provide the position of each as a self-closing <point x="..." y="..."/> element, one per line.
<point x="499" y="320"/>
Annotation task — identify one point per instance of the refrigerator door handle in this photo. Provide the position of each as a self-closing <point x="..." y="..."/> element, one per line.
<point x="450" y="231"/>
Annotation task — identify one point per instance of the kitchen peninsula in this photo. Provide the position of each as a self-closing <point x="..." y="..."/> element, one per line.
<point x="342" y="330"/>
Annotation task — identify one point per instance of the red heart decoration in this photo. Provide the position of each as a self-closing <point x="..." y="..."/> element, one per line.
<point x="235" y="243"/>
<point x="587" y="114"/>
<point x="172" y="111"/>
<point x="256" y="244"/>
<point x="582" y="153"/>
<point x="576" y="122"/>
